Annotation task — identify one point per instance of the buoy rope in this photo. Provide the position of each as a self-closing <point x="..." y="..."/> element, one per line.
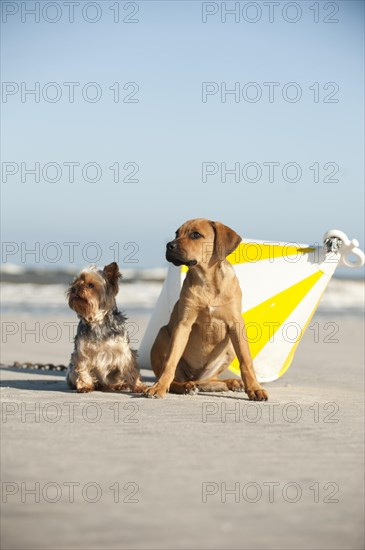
<point x="38" y="366"/>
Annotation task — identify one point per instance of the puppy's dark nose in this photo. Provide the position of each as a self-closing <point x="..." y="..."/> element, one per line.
<point x="171" y="245"/>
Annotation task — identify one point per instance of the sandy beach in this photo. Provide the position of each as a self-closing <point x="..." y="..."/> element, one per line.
<point x="207" y="471"/>
<point x="145" y="145"/>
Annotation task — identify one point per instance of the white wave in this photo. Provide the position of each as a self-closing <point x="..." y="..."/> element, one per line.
<point x="341" y="296"/>
<point x="12" y="269"/>
<point x="31" y="296"/>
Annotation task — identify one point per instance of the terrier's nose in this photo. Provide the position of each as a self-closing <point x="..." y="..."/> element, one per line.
<point x="171" y="245"/>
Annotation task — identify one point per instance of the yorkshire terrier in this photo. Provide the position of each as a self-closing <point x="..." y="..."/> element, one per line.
<point x="102" y="358"/>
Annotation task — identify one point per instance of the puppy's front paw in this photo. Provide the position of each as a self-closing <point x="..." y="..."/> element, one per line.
<point x="257" y="394"/>
<point x="156" y="391"/>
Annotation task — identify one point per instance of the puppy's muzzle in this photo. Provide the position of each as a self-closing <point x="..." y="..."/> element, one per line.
<point x="175" y="256"/>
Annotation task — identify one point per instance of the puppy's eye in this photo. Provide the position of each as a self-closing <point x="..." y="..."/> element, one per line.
<point x="195" y="235"/>
<point x="73" y="289"/>
<point x="90" y="285"/>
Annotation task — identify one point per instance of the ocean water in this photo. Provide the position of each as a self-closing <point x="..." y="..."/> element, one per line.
<point x="139" y="292"/>
<point x="43" y="299"/>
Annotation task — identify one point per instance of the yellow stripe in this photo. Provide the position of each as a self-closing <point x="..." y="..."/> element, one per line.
<point x="290" y="357"/>
<point x="255" y="252"/>
<point x="267" y="317"/>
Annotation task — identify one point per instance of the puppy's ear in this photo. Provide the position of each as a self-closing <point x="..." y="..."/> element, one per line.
<point x="112" y="275"/>
<point x="226" y="240"/>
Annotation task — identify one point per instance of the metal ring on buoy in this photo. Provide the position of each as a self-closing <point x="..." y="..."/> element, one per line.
<point x="347" y="249"/>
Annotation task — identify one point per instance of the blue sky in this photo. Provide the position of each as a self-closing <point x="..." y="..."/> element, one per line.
<point x="170" y="132"/>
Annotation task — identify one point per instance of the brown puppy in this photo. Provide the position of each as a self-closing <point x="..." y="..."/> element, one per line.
<point x="206" y="330"/>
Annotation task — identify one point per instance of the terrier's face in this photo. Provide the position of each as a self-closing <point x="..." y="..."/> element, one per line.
<point x="92" y="294"/>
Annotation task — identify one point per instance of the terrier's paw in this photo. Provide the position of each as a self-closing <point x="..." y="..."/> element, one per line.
<point x="157" y="391"/>
<point x="190" y="388"/>
<point x="139" y="388"/>
<point x="84" y="388"/>
<point x="257" y="394"/>
<point x="122" y="386"/>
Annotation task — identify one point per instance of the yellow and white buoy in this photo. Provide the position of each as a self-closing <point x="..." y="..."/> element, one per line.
<point x="282" y="284"/>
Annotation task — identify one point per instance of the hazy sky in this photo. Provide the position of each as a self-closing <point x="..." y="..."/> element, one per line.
<point x="292" y="128"/>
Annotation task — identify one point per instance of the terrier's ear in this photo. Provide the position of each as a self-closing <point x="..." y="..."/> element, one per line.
<point x="226" y="240"/>
<point x="112" y="275"/>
